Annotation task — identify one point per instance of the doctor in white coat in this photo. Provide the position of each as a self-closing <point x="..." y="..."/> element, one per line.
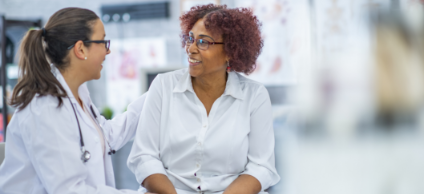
<point x="57" y="142"/>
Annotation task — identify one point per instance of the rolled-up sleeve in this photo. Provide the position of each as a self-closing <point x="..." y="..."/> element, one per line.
<point x="144" y="159"/>
<point x="261" y="158"/>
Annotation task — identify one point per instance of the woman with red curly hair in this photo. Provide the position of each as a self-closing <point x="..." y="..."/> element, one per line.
<point x="208" y="129"/>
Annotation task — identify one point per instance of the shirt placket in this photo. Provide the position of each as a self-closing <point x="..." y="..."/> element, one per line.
<point x="200" y="139"/>
<point x="199" y="148"/>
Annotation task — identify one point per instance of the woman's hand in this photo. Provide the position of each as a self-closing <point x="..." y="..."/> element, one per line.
<point x="159" y="183"/>
<point x="244" y="184"/>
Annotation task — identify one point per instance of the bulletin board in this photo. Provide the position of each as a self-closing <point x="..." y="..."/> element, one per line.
<point x="123" y="66"/>
<point x="286" y="31"/>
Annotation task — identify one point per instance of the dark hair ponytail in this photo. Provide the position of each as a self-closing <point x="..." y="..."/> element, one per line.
<point x="64" y="28"/>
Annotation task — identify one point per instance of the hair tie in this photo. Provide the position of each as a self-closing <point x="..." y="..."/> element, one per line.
<point x="44" y="32"/>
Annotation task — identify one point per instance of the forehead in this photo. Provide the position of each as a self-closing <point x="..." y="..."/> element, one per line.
<point x="98" y="29"/>
<point x="200" y="29"/>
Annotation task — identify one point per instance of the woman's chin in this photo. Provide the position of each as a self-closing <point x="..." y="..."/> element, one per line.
<point x="194" y="72"/>
<point x="97" y="76"/>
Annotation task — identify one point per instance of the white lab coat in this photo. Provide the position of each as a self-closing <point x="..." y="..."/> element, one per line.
<point x="43" y="153"/>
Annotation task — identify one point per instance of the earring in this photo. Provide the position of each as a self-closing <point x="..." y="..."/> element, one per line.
<point x="228" y="67"/>
<point x="85" y="58"/>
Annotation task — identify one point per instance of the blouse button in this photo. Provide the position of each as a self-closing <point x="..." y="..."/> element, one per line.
<point x="197" y="165"/>
<point x="198" y="180"/>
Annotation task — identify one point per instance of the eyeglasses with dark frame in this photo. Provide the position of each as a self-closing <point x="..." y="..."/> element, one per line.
<point x="106" y="42"/>
<point x="202" y="44"/>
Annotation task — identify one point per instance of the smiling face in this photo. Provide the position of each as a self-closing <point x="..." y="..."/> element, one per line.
<point x="205" y="62"/>
<point x="96" y="52"/>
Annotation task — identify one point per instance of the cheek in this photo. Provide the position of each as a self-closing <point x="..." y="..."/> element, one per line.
<point x="212" y="60"/>
<point x="96" y="64"/>
<point x="99" y="58"/>
<point x="99" y="51"/>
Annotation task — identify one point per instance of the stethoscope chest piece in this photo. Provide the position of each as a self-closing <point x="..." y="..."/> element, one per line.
<point x="85" y="155"/>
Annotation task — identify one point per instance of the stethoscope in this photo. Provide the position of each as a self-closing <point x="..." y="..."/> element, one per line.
<point x="85" y="156"/>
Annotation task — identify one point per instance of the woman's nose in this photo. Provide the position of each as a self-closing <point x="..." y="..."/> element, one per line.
<point x="192" y="48"/>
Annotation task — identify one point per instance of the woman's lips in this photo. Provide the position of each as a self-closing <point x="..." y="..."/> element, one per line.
<point x="193" y="62"/>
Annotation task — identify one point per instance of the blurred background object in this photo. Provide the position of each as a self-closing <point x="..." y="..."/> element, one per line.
<point x="11" y="33"/>
<point x="399" y="63"/>
<point x="107" y="112"/>
<point x="345" y="78"/>
<point x="360" y="112"/>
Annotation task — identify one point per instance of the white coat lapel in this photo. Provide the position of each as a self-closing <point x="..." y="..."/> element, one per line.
<point x="84" y="95"/>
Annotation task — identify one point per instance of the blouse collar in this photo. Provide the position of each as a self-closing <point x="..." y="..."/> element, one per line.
<point x="232" y="88"/>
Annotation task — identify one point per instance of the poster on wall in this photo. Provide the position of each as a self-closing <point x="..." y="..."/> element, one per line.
<point x="123" y="65"/>
<point x="341" y="25"/>
<point x="343" y="39"/>
<point x="287" y="44"/>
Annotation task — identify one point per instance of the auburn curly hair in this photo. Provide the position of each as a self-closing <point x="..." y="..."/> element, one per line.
<point x="239" y="29"/>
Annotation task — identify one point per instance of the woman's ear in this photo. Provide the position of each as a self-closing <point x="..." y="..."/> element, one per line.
<point x="80" y="50"/>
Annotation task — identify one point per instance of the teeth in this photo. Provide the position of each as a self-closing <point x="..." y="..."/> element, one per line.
<point x="193" y="61"/>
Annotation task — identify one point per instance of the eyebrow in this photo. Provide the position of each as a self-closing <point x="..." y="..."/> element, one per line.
<point x="201" y="35"/>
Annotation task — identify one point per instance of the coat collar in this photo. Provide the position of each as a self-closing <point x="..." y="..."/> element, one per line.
<point x="232" y="88"/>
<point x="82" y="90"/>
<point x="85" y="97"/>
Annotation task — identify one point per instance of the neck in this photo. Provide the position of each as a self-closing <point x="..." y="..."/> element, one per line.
<point x="74" y="82"/>
<point x="211" y="82"/>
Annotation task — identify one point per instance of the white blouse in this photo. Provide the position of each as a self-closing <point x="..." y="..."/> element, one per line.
<point x="101" y="136"/>
<point x="199" y="152"/>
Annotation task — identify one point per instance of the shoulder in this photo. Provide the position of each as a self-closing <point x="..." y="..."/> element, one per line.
<point x="40" y="105"/>
<point x="172" y="75"/>
<point x="169" y="80"/>
<point x="251" y="86"/>
<point x="40" y="109"/>
<point x="256" y="94"/>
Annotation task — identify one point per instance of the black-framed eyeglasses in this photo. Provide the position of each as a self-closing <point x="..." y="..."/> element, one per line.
<point x="202" y="44"/>
<point x="106" y="42"/>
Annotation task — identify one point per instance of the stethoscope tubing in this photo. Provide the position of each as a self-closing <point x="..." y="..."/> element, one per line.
<point x="85" y="153"/>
